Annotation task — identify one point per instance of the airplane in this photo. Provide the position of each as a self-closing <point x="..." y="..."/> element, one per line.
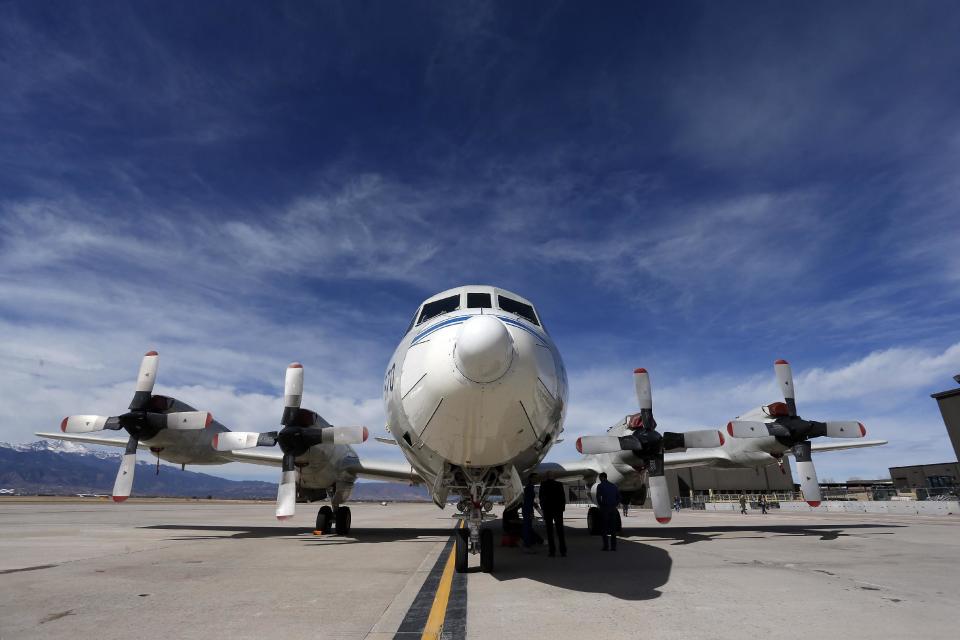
<point x="475" y="396"/>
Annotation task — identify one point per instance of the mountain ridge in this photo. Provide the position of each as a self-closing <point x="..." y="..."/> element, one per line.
<point x="69" y="468"/>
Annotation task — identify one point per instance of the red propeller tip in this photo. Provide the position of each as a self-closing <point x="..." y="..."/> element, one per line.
<point x="366" y="434"/>
<point x="813" y="503"/>
<point x="151" y="353"/>
<point x="295" y="365"/>
<point x="209" y="420"/>
<point x="863" y="429"/>
<point x="722" y="439"/>
<point x="729" y="429"/>
<point x="579" y="446"/>
<point x="63" y="425"/>
<point x="282" y="518"/>
<point x="781" y="362"/>
<point x="120" y="498"/>
<point x="640" y="370"/>
<point x="664" y="520"/>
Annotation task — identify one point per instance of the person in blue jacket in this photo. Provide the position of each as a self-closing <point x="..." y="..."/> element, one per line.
<point x="608" y="497"/>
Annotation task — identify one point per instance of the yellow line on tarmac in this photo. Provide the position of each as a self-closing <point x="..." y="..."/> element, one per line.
<point x="438" y="612"/>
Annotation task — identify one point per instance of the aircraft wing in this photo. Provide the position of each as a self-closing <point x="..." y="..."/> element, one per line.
<point x="846" y="444"/>
<point x="88" y="439"/>
<point x="390" y="471"/>
<point x="569" y="470"/>
<point x="694" y="458"/>
<point x="262" y="457"/>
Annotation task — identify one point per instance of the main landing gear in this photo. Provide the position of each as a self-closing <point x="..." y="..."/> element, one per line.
<point x="339" y="521"/>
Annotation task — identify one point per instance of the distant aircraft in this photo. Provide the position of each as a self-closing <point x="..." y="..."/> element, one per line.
<point x="475" y="395"/>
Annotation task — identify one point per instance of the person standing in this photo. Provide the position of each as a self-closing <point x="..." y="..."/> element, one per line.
<point x="552" y="502"/>
<point x="608" y="497"/>
<point x="529" y="502"/>
<point x="763" y="503"/>
<point x="743" y="504"/>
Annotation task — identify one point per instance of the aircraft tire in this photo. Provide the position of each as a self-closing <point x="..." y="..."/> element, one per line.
<point x="486" y="551"/>
<point x="461" y="543"/>
<point x="343" y="521"/>
<point x="593" y="521"/>
<point x="324" y="518"/>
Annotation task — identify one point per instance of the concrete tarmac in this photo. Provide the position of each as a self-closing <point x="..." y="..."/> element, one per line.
<point x="94" y="569"/>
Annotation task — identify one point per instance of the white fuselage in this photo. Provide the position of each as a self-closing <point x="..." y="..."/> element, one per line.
<point x="475" y="389"/>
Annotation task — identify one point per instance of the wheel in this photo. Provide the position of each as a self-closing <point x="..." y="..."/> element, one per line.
<point x="486" y="551"/>
<point x="593" y="521"/>
<point x="461" y="544"/>
<point x="324" y="518"/>
<point x="343" y="521"/>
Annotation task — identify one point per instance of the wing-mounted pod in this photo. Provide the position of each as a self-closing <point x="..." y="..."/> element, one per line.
<point x="795" y="432"/>
<point x="147" y="416"/>
<point x="301" y="430"/>
<point x="649" y="445"/>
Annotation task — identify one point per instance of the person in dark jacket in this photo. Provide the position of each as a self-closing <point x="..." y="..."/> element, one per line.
<point x="608" y="497"/>
<point x="529" y="502"/>
<point x="552" y="503"/>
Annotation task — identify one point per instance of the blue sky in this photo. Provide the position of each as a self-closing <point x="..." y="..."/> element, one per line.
<point x="694" y="188"/>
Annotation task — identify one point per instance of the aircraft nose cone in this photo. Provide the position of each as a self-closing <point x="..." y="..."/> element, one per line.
<point x="484" y="349"/>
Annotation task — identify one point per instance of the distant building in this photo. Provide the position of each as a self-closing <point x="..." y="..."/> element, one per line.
<point x="928" y="480"/>
<point x="858" y="490"/>
<point x="949" y="402"/>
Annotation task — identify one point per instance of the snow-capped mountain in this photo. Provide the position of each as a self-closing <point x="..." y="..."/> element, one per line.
<point x="62" y="446"/>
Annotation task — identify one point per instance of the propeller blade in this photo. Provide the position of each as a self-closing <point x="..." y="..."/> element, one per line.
<point x="128" y="464"/>
<point x="344" y="435"/>
<point x="287" y="492"/>
<point x="845" y="429"/>
<point x="235" y="440"/>
<point x="598" y="444"/>
<point x="785" y="378"/>
<point x="660" y="499"/>
<point x="145" y="381"/>
<point x="188" y="420"/>
<point x="808" y="474"/>
<point x="82" y="424"/>
<point x="292" y="392"/>
<point x="703" y="439"/>
<point x="747" y="429"/>
<point x="641" y="381"/>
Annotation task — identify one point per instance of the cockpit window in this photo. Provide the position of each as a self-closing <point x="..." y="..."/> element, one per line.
<point x="520" y="308"/>
<point x="479" y="301"/>
<point x="439" y="307"/>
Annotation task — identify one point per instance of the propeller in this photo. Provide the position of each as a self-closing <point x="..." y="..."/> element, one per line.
<point x="649" y="445"/>
<point x="147" y="416"/>
<point x="795" y="432"/>
<point x="301" y="430"/>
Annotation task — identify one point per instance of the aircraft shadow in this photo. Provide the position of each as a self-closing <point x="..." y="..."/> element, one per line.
<point x="362" y="535"/>
<point x="690" y="535"/>
<point x="635" y="571"/>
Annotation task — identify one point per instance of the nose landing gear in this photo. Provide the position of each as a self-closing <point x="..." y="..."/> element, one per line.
<point x="473" y="539"/>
